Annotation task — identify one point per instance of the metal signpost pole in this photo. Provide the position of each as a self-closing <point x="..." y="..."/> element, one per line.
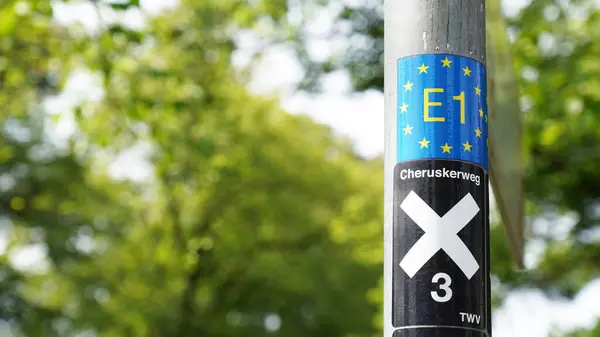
<point x="437" y="272"/>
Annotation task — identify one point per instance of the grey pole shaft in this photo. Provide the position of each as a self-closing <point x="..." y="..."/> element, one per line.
<point x="416" y="27"/>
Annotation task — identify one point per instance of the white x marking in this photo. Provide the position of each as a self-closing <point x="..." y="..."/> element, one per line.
<point x="440" y="233"/>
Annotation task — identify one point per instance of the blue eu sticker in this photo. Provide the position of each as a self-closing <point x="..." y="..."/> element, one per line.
<point x="442" y="109"/>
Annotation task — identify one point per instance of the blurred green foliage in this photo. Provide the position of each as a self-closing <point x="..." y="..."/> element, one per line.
<point x="252" y="222"/>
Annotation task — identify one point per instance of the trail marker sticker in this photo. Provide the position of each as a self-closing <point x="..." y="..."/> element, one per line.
<point x="440" y="239"/>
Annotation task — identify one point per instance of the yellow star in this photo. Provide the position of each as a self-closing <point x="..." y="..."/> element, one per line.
<point x="446" y="62"/>
<point x="446" y="148"/>
<point x="480" y="112"/>
<point x="403" y="107"/>
<point x="486" y="118"/>
<point x="408" y="86"/>
<point x="408" y="129"/>
<point x="424" y="143"/>
<point x="477" y="91"/>
<point x="467" y="71"/>
<point x="467" y="146"/>
<point x="477" y="132"/>
<point x="423" y="68"/>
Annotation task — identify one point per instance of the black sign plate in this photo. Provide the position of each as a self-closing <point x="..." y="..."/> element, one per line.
<point x="440" y="245"/>
<point x="438" y="332"/>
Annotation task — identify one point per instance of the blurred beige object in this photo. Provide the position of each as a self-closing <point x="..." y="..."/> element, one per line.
<point x="505" y="136"/>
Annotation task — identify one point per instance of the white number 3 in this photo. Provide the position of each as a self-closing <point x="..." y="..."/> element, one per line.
<point x="445" y="287"/>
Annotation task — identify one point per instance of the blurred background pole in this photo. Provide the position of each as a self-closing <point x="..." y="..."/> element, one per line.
<point x="436" y="121"/>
